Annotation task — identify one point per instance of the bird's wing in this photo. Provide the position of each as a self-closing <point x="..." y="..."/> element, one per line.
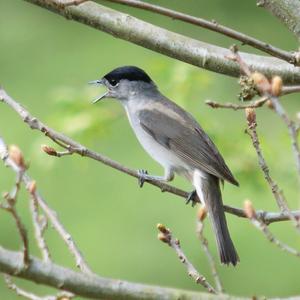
<point x="187" y="139"/>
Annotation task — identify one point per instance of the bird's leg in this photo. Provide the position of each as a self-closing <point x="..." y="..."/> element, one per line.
<point x="192" y="198"/>
<point x="143" y="176"/>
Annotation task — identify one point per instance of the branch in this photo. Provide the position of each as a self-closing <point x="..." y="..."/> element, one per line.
<point x="10" y="199"/>
<point x="292" y="129"/>
<point x="250" y="211"/>
<point x="160" y="40"/>
<point x="204" y="243"/>
<point x="255" y="104"/>
<point x="28" y="295"/>
<point x="290" y="89"/>
<point x="213" y="26"/>
<point x="39" y="222"/>
<point x="287" y="11"/>
<point x="80" y="261"/>
<point x="271" y="90"/>
<point x="285" y="90"/>
<point x="276" y="191"/>
<point x="92" y="286"/>
<point x="74" y="147"/>
<point x="165" y="235"/>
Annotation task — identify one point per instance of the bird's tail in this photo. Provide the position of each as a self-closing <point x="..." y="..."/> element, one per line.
<point x="208" y="191"/>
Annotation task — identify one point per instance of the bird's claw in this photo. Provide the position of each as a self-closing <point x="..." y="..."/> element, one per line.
<point x="142" y="177"/>
<point x="192" y="198"/>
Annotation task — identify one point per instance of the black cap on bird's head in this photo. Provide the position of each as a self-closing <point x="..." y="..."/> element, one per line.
<point x="113" y="78"/>
<point x="130" y="73"/>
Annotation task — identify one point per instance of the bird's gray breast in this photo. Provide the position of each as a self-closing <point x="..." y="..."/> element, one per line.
<point x="156" y="150"/>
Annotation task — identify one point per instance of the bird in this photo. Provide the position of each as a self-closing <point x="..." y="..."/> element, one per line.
<point x="172" y="137"/>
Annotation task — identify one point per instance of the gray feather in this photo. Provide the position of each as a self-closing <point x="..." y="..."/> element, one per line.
<point x="210" y="190"/>
<point x="186" y="138"/>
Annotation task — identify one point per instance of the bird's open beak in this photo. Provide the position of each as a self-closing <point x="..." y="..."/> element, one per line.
<point x="105" y="95"/>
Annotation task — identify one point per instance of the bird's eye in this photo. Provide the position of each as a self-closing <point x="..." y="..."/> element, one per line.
<point x="113" y="82"/>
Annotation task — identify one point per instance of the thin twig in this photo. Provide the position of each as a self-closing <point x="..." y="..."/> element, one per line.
<point x="165" y="235"/>
<point x="69" y="144"/>
<point x="270" y="236"/>
<point x="9" y="206"/>
<point x="21" y="229"/>
<point x="51" y="214"/>
<point x="67" y="238"/>
<point x="39" y="223"/>
<point x="213" y="26"/>
<point x="265" y="88"/>
<point x="290" y="89"/>
<point x="255" y="104"/>
<point x="21" y="292"/>
<point x="235" y="56"/>
<point x="292" y="129"/>
<point x="204" y="244"/>
<point x="276" y="191"/>
<point x="265" y="91"/>
<point x="251" y="214"/>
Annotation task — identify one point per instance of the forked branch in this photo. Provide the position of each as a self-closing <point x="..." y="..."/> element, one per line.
<point x="76" y="148"/>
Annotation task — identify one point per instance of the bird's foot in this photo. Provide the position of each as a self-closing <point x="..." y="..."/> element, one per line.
<point x="192" y="198"/>
<point x="142" y="177"/>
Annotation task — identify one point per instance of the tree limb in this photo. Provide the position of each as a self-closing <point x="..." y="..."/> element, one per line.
<point x="213" y="26"/>
<point x="160" y="40"/>
<point x="287" y="11"/>
<point x="74" y="147"/>
<point x="52" y="215"/>
<point x="165" y="235"/>
<point x="92" y="286"/>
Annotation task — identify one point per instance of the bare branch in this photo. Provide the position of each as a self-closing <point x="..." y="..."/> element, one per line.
<point x="39" y="223"/>
<point x="67" y="238"/>
<point x="264" y="216"/>
<point x="96" y="287"/>
<point x="213" y="26"/>
<point x="204" y="243"/>
<point x="255" y="104"/>
<point x="287" y="11"/>
<point x="168" y="43"/>
<point x="92" y="286"/>
<point x="292" y="129"/>
<point x="272" y="90"/>
<point x="10" y="199"/>
<point x="250" y="211"/>
<point x="290" y="89"/>
<point x="19" y="291"/>
<point x="276" y="191"/>
<point x="74" y="147"/>
<point x="31" y="296"/>
<point x="165" y="235"/>
<point x="52" y="216"/>
<point x="269" y="89"/>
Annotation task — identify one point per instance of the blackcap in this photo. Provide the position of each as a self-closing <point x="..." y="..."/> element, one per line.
<point x="175" y="140"/>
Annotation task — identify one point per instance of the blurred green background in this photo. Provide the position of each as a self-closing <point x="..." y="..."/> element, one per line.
<point x="46" y="62"/>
